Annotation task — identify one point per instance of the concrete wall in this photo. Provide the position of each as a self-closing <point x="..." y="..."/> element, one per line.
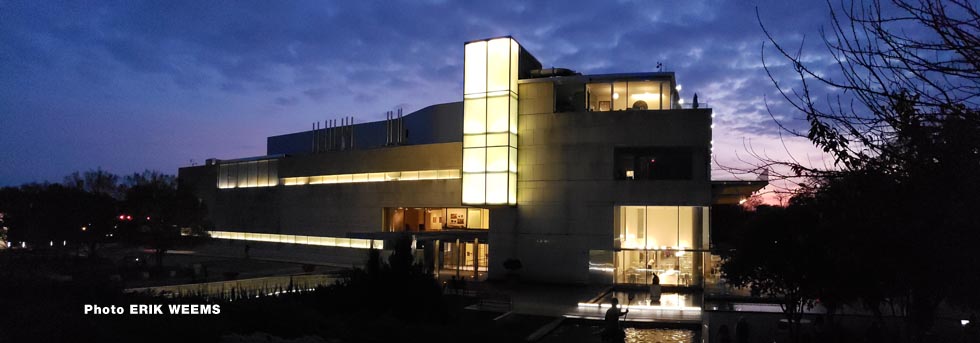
<point x="566" y="186"/>
<point x="442" y="123"/>
<point x="332" y="209"/>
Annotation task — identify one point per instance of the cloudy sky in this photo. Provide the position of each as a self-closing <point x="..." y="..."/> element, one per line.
<point x="130" y="85"/>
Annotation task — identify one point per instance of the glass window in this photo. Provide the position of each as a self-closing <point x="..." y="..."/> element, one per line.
<point x="653" y="163"/>
<point x="633" y="227"/>
<point x="662" y="227"/>
<point x="475" y="115"/>
<point x="475" y="78"/>
<point x="599" y="96"/>
<point x="497" y="139"/>
<point x="513" y="113"/>
<point x="474" y="188"/>
<point x="470" y="141"/>
<point x="497" y="159"/>
<point x="619" y="96"/>
<point x="647" y="95"/>
<point x="498" y="114"/>
<point x="427" y="174"/>
<point x="474" y="160"/>
<point x="498" y="64"/>
<point x="496" y="188"/>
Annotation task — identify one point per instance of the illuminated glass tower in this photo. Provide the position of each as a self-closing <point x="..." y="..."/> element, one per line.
<point x="490" y="122"/>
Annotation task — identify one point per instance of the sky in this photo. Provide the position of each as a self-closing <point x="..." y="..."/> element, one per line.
<point x="131" y="85"/>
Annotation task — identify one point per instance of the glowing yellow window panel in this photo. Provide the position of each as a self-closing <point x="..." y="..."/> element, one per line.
<point x="497" y="159"/>
<point x="515" y="50"/>
<point x="512" y="165"/>
<point x="475" y="64"/>
<point x="498" y="114"/>
<point x="470" y="141"/>
<point x="497" y="188"/>
<point x="513" y="115"/>
<point x="496" y="139"/>
<point x="474" y="160"/>
<point x="474" y="186"/>
<point x="427" y="174"/>
<point x="498" y="64"/>
<point x="475" y="115"/>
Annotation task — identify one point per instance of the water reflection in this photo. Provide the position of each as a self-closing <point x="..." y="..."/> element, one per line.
<point x="659" y="336"/>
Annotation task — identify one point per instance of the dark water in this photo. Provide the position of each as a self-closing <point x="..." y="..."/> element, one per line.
<point x="569" y="333"/>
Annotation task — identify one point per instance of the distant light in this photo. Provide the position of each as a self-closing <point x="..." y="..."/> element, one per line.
<point x="652" y="160"/>
<point x="84" y="228"/>
<point x="23" y="244"/>
<point x="964" y="322"/>
<point x="122" y="217"/>
<point x="678" y="87"/>
<point x="712" y="126"/>
<point x="615" y="96"/>
<point x="64" y="243"/>
<point x="742" y="201"/>
<point x="147" y="217"/>
<point x="680" y="101"/>
<point x="129" y="217"/>
<point x="51" y="243"/>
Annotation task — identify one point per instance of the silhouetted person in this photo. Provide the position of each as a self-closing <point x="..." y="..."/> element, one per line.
<point x="655" y="289"/>
<point x="612" y="330"/>
<point x="694" y="104"/>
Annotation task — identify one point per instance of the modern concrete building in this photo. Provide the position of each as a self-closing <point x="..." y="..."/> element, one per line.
<point x="581" y="178"/>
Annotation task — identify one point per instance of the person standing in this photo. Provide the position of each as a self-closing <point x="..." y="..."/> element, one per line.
<point x="612" y="330"/>
<point x="655" y="290"/>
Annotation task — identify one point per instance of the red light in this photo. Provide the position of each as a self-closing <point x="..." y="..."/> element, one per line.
<point x="129" y="217"/>
<point x="122" y="217"/>
<point x="147" y="218"/>
<point x="653" y="160"/>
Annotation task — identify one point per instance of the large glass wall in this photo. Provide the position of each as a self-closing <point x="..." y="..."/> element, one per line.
<point x="660" y="227"/>
<point x="463" y="256"/>
<point x="490" y="122"/>
<point x="628" y="95"/>
<point x="414" y="175"/>
<point x="663" y="240"/>
<point x="264" y="173"/>
<point x="414" y="219"/>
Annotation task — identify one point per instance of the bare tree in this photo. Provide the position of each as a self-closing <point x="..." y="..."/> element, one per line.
<point x="923" y="56"/>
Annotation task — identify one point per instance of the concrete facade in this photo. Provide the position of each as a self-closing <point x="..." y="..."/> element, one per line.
<point x="568" y="187"/>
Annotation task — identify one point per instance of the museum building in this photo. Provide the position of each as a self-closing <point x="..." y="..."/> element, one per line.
<point x="582" y="178"/>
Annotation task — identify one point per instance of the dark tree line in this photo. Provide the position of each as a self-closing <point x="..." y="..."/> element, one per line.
<point x="96" y="207"/>
<point x="894" y="224"/>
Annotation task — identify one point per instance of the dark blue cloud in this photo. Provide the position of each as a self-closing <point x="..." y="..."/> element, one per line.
<point x="130" y="85"/>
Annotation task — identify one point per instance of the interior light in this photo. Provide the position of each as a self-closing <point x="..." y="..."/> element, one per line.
<point x="646" y="96"/>
<point x="615" y="96"/>
<point x="742" y="201"/>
